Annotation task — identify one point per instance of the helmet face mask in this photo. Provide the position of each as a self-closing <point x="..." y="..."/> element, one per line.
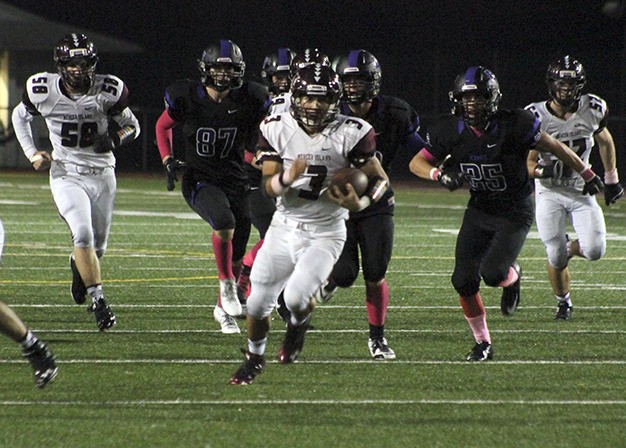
<point x="565" y="79"/>
<point x="221" y="66"/>
<point x="361" y="76"/>
<point x="75" y="57"/>
<point x="475" y="96"/>
<point x="276" y="71"/>
<point x="315" y="93"/>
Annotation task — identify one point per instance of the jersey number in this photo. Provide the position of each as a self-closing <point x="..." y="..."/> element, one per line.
<point x="484" y="177"/>
<point x="72" y="136"/>
<point x="208" y="138"/>
<point x="40" y="88"/>
<point x="316" y="175"/>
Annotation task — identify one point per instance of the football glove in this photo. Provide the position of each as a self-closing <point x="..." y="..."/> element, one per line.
<point x="451" y="179"/>
<point x="114" y="138"/>
<point x="593" y="186"/>
<point x="612" y="192"/>
<point x="171" y="166"/>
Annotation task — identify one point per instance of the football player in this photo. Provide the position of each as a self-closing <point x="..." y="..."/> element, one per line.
<point x="301" y="150"/>
<point x="396" y="126"/>
<point x="487" y="148"/>
<point x="579" y="121"/>
<point x="219" y="117"/>
<point x="36" y="351"/>
<point x="88" y="119"/>
<point x="276" y="76"/>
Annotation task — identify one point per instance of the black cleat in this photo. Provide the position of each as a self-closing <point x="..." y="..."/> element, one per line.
<point x="42" y="361"/>
<point x="293" y="343"/>
<point x="104" y="316"/>
<point x="247" y="372"/>
<point x="482" y="351"/>
<point x="564" y="311"/>
<point x="511" y="294"/>
<point x="78" y="289"/>
<point x="282" y="310"/>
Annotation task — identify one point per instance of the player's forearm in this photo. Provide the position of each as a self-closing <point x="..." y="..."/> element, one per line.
<point x="23" y="131"/>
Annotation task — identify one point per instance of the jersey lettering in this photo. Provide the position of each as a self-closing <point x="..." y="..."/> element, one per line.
<point x="316" y="175"/>
<point x="484" y="177"/>
<point x="40" y="89"/>
<point x="109" y="86"/>
<point x="207" y="140"/>
<point x="72" y="136"/>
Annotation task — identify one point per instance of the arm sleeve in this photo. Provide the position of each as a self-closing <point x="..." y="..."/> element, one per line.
<point x="163" y="130"/>
<point x="22" y="119"/>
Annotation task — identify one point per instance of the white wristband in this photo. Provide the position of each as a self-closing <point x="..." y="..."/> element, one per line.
<point x="35" y="158"/>
<point x="611" y="177"/>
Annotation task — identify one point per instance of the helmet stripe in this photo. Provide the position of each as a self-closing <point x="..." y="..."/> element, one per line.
<point x="470" y="75"/>
<point x="353" y="58"/>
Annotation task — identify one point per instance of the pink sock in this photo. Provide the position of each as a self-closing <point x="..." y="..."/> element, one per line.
<point x="376" y="301"/>
<point x="510" y="279"/>
<point x="249" y="258"/>
<point x="479" y="328"/>
<point x="223" y="251"/>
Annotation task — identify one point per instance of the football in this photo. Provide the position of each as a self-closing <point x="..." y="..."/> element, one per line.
<point x="353" y="176"/>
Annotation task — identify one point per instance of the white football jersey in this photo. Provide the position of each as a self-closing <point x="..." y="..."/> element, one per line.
<point x="73" y="123"/>
<point x="576" y="132"/>
<point x="326" y="152"/>
<point x="279" y="104"/>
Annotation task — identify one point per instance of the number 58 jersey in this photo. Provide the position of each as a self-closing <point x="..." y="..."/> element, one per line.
<point x="576" y="132"/>
<point x="76" y="123"/>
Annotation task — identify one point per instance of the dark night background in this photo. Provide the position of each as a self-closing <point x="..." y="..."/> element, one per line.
<point x="421" y="45"/>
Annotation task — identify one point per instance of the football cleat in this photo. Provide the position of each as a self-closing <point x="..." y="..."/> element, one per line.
<point x="228" y="323"/>
<point x="251" y="367"/>
<point x="482" y="351"/>
<point x="228" y="297"/>
<point x="282" y="310"/>
<point x="43" y="363"/>
<point x="511" y="294"/>
<point x="78" y="288"/>
<point x="324" y="292"/>
<point x="104" y="316"/>
<point x="564" y="311"/>
<point x="380" y="350"/>
<point x="293" y="343"/>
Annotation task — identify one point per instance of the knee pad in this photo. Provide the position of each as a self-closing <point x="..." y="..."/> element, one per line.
<point x="464" y="285"/>
<point x="82" y="236"/>
<point x="557" y="255"/>
<point x="344" y="275"/>
<point x="595" y="252"/>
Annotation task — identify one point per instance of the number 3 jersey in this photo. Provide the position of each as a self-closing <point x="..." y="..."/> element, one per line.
<point x="75" y="124"/>
<point x="576" y="132"/>
<point x="343" y="142"/>
<point x="493" y="162"/>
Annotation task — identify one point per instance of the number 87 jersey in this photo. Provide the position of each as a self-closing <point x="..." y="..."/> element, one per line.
<point x="75" y="123"/>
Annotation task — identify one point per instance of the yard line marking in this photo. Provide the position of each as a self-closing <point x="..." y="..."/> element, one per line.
<point x="332" y="307"/>
<point x="182" y="402"/>
<point x="315" y="331"/>
<point x="326" y="362"/>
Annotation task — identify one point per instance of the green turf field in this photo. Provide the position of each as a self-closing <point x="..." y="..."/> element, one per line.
<point x="160" y="377"/>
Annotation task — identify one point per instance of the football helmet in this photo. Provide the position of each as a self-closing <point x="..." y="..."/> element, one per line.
<point x="565" y="79"/>
<point x="475" y="96"/>
<point x="221" y="66"/>
<point x="315" y="81"/>
<point x="360" y="75"/>
<point x="75" y="57"/>
<point x="276" y="71"/>
<point x="310" y="56"/>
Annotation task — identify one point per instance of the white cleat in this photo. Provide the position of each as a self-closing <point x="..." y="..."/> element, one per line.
<point x="228" y="323"/>
<point x="229" y="298"/>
